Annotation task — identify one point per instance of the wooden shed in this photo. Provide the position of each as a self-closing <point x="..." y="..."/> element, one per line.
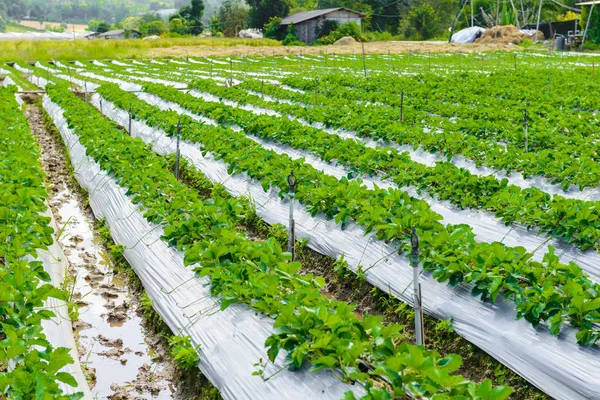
<point x="307" y="22"/>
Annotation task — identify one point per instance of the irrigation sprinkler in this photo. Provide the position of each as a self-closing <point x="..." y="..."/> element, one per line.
<point x="526" y="129"/>
<point x="418" y="306"/>
<point x="130" y="119"/>
<point x="364" y="60"/>
<point x="402" y="105"/>
<point x="291" y="227"/>
<point x="177" y="152"/>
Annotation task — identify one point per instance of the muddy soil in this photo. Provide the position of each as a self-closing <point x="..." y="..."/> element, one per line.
<point x="121" y="358"/>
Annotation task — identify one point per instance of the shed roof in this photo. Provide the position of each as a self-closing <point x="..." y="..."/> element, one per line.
<point x="306" y="15"/>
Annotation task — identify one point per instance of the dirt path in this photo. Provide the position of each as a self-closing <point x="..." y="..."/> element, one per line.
<point x="122" y="360"/>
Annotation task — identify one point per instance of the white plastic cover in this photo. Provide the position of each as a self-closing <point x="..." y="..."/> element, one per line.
<point x="467" y="35"/>
<point x="558" y="366"/>
<point x="232" y="340"/>
<point x="59" y="330"/>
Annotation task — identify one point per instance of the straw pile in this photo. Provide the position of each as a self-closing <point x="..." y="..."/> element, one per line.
<point x="345" y="41"/>
<point x="507" y="34"/>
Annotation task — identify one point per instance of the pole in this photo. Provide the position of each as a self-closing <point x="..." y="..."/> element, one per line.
<point x="130" y="119"/>
<point x="230" y="72"/>
<point x="101" y="110"/>
<point x="472" y="16"/>
<point x="402" y="105"/>
<point x="526" y="129"/>
<point x="537" y="25"/>
<point x="364" y="60"/>
<point x="419" y="331"/>
<point x="262" y="89"/>
<point x="85" y="93"/>
<point x="317" y="91"/>
<point x="177" y="152"/>
<point x="587" y="25"/>
<point x="515" y="58"/>
<point x="291" y="227"/>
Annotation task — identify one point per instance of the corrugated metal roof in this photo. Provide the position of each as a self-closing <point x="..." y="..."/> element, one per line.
<point x="306" y="15"/>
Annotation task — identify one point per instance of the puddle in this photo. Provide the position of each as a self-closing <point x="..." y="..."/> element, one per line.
<point x="115" y="350"/>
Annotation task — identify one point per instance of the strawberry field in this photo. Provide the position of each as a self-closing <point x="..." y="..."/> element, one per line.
<point x="490" y="159"/>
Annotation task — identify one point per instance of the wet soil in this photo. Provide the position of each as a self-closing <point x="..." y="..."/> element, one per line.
<point x="121" y="358"/>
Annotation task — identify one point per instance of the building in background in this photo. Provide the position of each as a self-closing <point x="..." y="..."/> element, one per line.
<point x="307" y="22"/>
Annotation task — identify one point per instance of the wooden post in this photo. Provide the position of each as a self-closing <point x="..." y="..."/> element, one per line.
<point x="526" y="129"/>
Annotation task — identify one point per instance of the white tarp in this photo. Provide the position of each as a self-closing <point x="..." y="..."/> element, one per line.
<point x="467" y="35"/>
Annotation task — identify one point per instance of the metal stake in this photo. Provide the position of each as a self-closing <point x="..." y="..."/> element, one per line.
<point x="262" y="90"/>
<point x="402" y="105"/>
<point x="526" y="128"/>
<point x="177" y="152"/>
<point x="291" y="226"/>
<point x="418" y="306"/>
<point x="85" y="93"/>
<point x="101" y="110"/>
<point x="317" y="92"/>
<point x="364" y="61"/>
<point x="130" y="118"/>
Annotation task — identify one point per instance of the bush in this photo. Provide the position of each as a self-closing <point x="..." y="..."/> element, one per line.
<point x="291" y="37"/>
<point x="273" y="29"/>
<point x="348" y="29"/>
<point x="326" y="27"/>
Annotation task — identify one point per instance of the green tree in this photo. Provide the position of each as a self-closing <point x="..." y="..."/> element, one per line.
<point x="2" y="24"/>
<point x="424" y="20"/>
<point x="153" y="28"/>
<point x="176" y="26"/>
<point x="261" y="11"/>
<point x="234" y="15"/>
<point x="593" y="33"/>
<point x="197" y="9"/>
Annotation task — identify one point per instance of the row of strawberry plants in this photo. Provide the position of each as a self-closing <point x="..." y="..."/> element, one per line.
<point x="575" y="221"/>
<point x="567" y="158"/>
<point x="29" y="365"/>
<point x="451" y="251"/>
<point x="311" y="327"/>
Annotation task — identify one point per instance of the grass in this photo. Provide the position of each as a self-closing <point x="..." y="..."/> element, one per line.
<point x="27" y="50"/>
<point x="18" y="28"/>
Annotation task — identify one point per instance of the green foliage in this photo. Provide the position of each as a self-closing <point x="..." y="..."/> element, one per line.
<point x="594" y="27"/>
<point x="234" y="15"/>
<point x="183" y="353"/>
<point x="25" y="285"/>
<point x="291" y="36"/>
<point x="273" y="29"/>
<point x="311" y="327"/>
<point x="423" y="22"/>
<point x="348" y="29"/>
<point x="261" y="11"/>
<point x="176" y="26"/>
<point x="153" y="28"/>
<point x="326" y="27"/>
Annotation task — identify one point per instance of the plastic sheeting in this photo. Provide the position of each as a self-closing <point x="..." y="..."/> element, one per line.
<point x="59" y="330"/>
<point x="232" y="340"/>
<point x="557" y="365"/>
<point x="467" y="35"/>
<point x="485" y="225"/>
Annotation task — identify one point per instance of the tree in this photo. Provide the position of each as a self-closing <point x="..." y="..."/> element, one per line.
<point x="234" y="16"/>
<point x="2" y="24"/>
<point x="176" y="26"/>
<point x="153" y="28"/>
<point x="95" y="25"/>
<point x="423" y="20"/>
<point x="197" y="9"/>
<point x="262" y="10"/>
